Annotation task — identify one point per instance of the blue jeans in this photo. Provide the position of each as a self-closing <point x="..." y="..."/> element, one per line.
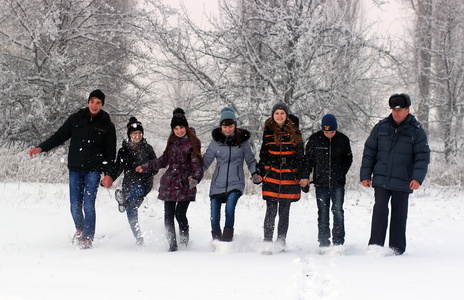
<point x="134" y="199"/>
<point x="231" y="202"/>
<point x="323" y="196"/>
<point x="82" y="192"/>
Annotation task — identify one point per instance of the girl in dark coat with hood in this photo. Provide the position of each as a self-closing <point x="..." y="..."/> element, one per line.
<point x="135" y="186"/>
<point x="230" y="148"/>
<point x="178" y="184"/>
<point x="280" y="164"/>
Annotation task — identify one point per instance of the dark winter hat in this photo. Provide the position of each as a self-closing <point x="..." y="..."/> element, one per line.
<point x="282" y="106"/>
<point x="329" y="123"/>
<point x="99" y="94"/>
<point x="133" y="125"/>
<point x="227" y="113"/>
<point x="178" y="118"/>
<point x="399" y="101"/>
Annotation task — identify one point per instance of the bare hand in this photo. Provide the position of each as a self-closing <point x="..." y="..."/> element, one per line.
<point x="304" y="182"/>
<point x="256" y="179"/>
<point x="34" y="151"/>
<point x="139" y="169"/>
<point x="107" y="181"/>
<point x="366" y="183"/>
<point x="414" y="185"/>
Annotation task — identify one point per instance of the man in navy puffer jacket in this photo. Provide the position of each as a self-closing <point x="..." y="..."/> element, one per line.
<point x="397" y="155"/>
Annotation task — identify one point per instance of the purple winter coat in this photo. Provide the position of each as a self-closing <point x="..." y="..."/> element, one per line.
<point x="183" y="163"/>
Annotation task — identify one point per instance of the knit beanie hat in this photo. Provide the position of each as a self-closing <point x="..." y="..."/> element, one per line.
<point x="133" y="125"/>
<point x="399" y="101"/>
<point x="178" y="118"/>
<point x="329" y="123"/>
<point x="280" y="105"/>
<point x="98" y="94"/>
<point x="227" y="113"/>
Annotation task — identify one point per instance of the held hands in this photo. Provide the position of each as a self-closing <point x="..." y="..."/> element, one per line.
<point x="304" y="183"/>
<point x="192" y="182"/>
<point x="107" y="181"/>
<point x="256" y="179"/>
<point x="366" y="182"/>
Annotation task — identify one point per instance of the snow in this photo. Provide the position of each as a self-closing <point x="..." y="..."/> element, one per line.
<point x="38" y="261"/>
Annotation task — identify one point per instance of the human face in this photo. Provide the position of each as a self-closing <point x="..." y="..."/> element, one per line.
<point x="329" y="134"/>
<point x="136" y="136"/>
<point x="95" y="105"/>
<point x="280" y="116"/>
<point x="228" y="129"/>
<point x="180" y="131"/>
<point x="400" y="114"/>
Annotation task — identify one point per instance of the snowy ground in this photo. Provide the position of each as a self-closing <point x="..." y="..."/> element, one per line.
<point x="37" y="260"/>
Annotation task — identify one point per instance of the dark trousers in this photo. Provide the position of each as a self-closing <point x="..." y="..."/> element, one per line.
<point x="269" y="220"/>
<point x="399" y="214"/>
<point x="178" y="210"/>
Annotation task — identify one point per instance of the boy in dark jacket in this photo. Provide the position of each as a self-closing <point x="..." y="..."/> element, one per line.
<point x="135" y="186"/>
<point x="397" y="154"/>
<point x="92" y="151"/>
<point x="328" y="156"/>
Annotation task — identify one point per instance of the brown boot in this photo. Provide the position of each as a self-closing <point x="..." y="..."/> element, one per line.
<point x="228" y="234"/>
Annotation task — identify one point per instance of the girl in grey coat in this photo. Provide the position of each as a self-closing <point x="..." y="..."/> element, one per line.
<point x="230" y="147"/>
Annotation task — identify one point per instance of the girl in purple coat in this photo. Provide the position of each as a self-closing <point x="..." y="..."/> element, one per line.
<point x="178" y="184"/>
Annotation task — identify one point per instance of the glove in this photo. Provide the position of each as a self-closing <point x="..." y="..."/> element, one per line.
<point x="305" y="189"/>
<point x="255" y="178"/>
<point x="192" y="183"/>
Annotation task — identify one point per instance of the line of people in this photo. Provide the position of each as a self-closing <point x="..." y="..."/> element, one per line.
<point x="395" y="160"/>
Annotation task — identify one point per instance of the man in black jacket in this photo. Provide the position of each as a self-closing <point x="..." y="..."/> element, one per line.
<point x="328" y="156"/>
<point x="92" y="151"/>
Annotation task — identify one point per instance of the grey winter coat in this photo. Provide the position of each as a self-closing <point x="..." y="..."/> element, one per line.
<point x="229" y="174"/>
<point x="395" y="155"/>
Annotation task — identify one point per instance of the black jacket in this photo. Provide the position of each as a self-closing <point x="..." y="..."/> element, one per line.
<point x="129" y="157"/>
<point x="328" y="159"/>
<point x="93" y="141"/>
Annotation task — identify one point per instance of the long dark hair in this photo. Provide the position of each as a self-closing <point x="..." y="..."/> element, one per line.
<point x="289" y="127"/>
<point x="237" y="132"/>
<point x="191" y="137"/>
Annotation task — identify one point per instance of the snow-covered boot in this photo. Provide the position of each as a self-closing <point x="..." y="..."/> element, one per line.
<point x="121" y="200"/>
<point x="78" y="235"/>
<point x="184" y="236"/>
<point x="217" y="236"/>
<point x="228" y="234"/>
<point x="171" y="237"/>
<point x="86" y="243"/>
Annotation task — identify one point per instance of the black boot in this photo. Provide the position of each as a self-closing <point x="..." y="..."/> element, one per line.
<point x="228" y="234"/>
<point x="217" y="236"/>
<point x="171" y="237"/>
<point x="184" y="236"/>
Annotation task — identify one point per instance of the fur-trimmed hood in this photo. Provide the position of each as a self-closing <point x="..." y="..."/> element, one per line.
<point x="218" y="136"/>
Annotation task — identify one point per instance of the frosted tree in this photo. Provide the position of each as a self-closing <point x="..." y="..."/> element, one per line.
<point x="52" y="54"/>
<point x="313" y="55"/>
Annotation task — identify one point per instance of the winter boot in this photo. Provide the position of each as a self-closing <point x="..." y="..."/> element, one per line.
<point x="78" y="235"/>
<point x="228" y="234"/>
<point x="172" y="241"/>
<point x="280" y="244"/>
<point x="184" y="236"/>
<point x="217" y="236"/>
<point x="121" y="200"/>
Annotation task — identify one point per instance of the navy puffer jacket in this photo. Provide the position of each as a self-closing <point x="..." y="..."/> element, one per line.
<point x="229" y="174"/>
<point x="395" y="155"/>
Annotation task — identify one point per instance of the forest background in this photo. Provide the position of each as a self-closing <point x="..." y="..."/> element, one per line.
<point x="318" y="56"/>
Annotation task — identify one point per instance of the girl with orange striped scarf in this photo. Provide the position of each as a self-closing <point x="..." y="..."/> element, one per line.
<point x="281" y="160"/>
